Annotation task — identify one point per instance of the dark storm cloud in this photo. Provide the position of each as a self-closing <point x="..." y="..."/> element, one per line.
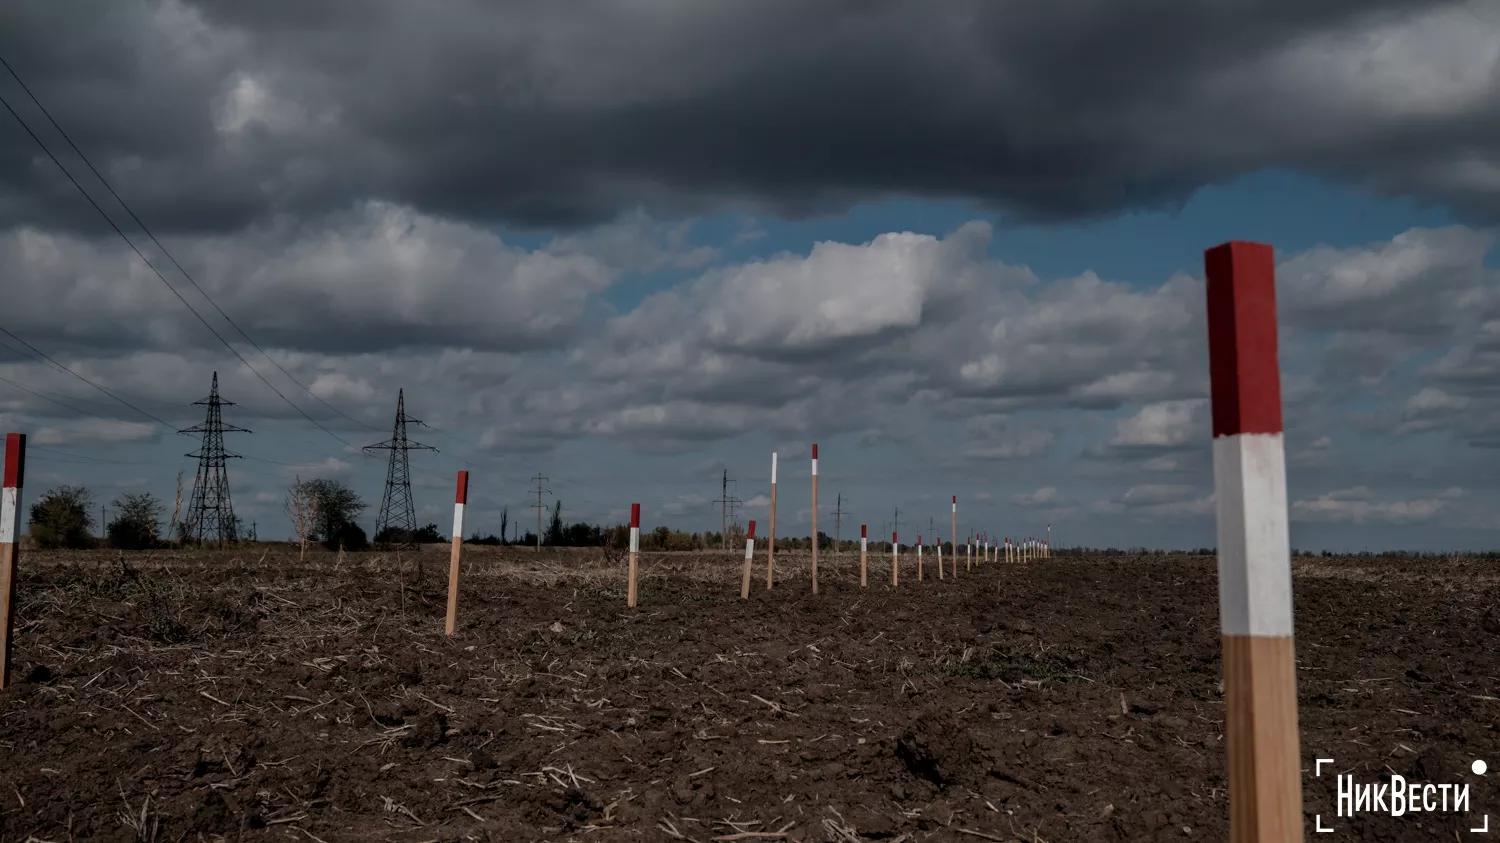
<point x="563" y="114"/>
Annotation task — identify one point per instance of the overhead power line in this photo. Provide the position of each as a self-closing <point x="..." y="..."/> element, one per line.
<point x="147" y="230"/>
<point x="44" y="356"/>
<point x="163" y="278"/>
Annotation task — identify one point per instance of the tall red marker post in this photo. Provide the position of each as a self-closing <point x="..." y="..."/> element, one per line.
<point x="635" y="551"/>
<point x="10" y="537"/>
<point x="771" y="537"/>
<point x="864" y="555"/>
<point x="815" y="518"/>
<point x="954" y="534"/>
<point x="895" y="560"/>
<point x="749" y="558"/>
<point x="1255" y="572"/>
<point x="455" y="557"/>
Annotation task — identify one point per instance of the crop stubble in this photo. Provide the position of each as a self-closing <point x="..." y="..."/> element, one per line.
<point x="244" y="696"/>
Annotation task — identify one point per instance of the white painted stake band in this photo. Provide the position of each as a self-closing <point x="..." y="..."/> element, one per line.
<point x="1255" y="572"/>
<point x="815" y="466"/>
<point x="635" y="539"/>
<point x="864" y="544"/>
<point x="773" y="468"/>
<point x="749" y="549"/>
<point x="10" y="514"/>
<point x="458" y="521"/>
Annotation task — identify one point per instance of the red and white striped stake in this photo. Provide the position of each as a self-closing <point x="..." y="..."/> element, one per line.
<point x="1255" y="574"/>
<point x="954" y="533"/>
<point x="815" y="518"/>
<point x="771" y="537"/>
<point x="895" y="558"/>
<point x="749" y="555"/>
<point x="635" y="552"/>
<point x="919" y="558"/>
<point x="10" y="537"/>
<point x="460" y="498"/>
<point x="864" y="555"/>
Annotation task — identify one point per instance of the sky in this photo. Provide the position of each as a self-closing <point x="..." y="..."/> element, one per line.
<point x="632" y="245"/>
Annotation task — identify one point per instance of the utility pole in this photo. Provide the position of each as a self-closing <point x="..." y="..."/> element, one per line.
<point x="398" y="516"/>
<point x="734" y="504"/>
<point x="724" y="502"/>
<point x="539" y="507"/>
<point x="210" y="515"/>
<point x="838" y="512"/>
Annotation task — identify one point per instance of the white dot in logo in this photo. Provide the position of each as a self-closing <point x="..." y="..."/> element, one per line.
<point x="1479" y="766"/>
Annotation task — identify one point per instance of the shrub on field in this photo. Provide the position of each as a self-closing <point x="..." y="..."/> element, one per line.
<point x="138" y="522"/>
<point x="666" y="538"/>
<point x="333" y="505"/>
<point x="350" y="537"/>
<point x="60" y="518"/>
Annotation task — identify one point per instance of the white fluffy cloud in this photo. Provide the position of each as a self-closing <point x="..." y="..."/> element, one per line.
<point x="878" y="349"/>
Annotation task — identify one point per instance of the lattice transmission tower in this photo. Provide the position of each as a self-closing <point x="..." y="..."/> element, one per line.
<point x="210" y="515"/>
<point x="398" y="516"/>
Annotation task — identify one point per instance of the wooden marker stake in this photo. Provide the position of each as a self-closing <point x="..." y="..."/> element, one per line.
<point x="895" y="562"/>
<point x="771" y="537"/>
<point x="940" y="557"/>
<point x="1255" y="573"/>
<point x="815" y="518"/>
<point x="954" y="527"/>
<point x="969" y="554"/>
<point x="749" y="555"/>
<point x="919" y="558"/>
<point x="635" y="552"/>
<point x="454" y="558"/>
<point x="10" y="544"/>
<point x="864" y="556"/>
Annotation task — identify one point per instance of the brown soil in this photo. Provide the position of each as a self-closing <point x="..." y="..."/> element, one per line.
<point x="214" y="697"/>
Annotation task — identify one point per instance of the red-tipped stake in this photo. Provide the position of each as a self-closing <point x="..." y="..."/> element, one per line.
<point x="954" y="533"/>
<point x="919" y="558"/>
<point x="10" y="535"/>
<point x="1255" y="574"/>
<point x="749" y="553"/>
<point x="771" y="537"/>
<point x="895" y="561"/>
<point x="635" y="552"/>
<point x="459" y="500"/>
<point x="969" y="554"/>
<point x="815" y="518"/>
<point x="864" y="556"/>
<point x="938" y="543"/>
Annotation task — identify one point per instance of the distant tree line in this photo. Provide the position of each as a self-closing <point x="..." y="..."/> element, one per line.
<point x="324" y="511"/>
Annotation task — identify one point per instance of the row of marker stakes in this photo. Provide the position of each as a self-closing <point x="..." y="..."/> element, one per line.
<point x="1014" y="552"/>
